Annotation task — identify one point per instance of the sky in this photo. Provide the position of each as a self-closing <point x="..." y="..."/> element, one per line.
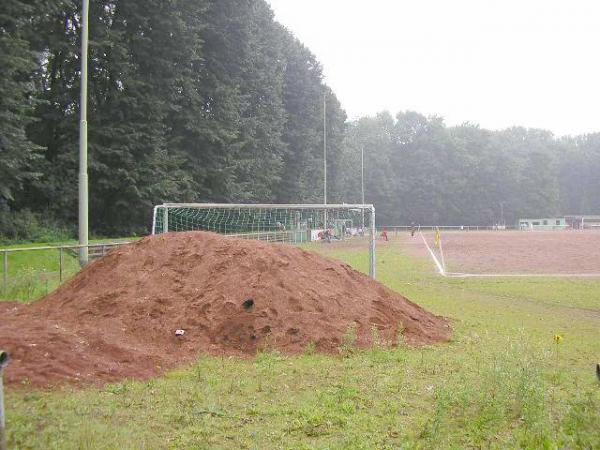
<point x="497" y="63"/>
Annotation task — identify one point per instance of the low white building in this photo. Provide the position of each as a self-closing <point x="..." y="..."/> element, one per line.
<point x="582" y="222"/>
<point x="544" y="224"/>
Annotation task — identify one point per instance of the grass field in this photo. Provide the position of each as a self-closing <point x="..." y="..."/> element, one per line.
<point x="33" y="274"/>
<point x="502" y="383"/>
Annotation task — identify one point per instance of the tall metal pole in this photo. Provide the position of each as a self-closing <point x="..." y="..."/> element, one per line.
<point x="324" y="149"/>
<point x="325" y="157"/>
<point x="83" y="171"/>
<point x="362" y="174"/>
<point x="362" y="182"/>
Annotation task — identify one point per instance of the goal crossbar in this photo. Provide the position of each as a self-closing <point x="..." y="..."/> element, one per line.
<point x="267" y="206"/>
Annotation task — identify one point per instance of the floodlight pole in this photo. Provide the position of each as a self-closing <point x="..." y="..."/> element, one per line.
<point x="83" y="170"/>
<point x="325" y="157"/>
<point x="362" y="182"/>
<point x="324" y="149"/>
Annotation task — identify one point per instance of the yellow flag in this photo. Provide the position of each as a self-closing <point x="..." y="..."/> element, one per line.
<point x="437" y="237"/>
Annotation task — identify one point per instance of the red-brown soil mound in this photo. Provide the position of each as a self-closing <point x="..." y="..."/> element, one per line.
<point x="117" y="318"/>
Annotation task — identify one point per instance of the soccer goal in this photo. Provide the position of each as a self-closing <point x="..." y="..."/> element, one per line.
<point x="293" y="223"/>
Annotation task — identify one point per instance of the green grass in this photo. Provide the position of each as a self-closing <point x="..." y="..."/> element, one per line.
<point x="35" y="273"/>
<point x="501" y="383"/>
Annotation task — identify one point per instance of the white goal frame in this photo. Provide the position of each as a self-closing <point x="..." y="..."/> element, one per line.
<point x="363" y="208"/>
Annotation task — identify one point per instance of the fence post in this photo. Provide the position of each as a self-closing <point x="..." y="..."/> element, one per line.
<point x="60" y="265"/>
<point x="5" y="274"/>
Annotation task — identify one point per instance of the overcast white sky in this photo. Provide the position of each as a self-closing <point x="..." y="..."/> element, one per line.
<point x="498" y="63"/>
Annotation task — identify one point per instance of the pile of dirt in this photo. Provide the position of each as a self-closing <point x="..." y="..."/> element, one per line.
<point x="118" y="317"/>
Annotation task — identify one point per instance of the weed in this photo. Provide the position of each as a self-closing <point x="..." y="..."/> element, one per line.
<point x="310" y="348"/>
<point x="349" y="340"/>
<point x="376" y="340"/>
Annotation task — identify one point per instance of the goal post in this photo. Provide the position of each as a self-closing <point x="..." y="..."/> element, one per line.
<point x="291" y="223"/>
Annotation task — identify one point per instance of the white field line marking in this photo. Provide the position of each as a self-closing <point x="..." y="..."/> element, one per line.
<point x="521" y="275"/>
<point x="435" y="260"/>
<point x="442" y="271"/>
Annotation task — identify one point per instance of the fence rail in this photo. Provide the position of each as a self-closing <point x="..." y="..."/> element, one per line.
<point x="28" y="273"/>
<point x="95" y="251"/>
<point x="292" y="237"/>
<point x="397" y="228"/>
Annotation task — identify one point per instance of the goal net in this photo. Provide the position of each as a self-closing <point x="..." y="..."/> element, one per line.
<point x="294" y="223"/>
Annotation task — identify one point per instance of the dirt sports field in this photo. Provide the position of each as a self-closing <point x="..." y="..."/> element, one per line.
<point x="511" y="252"/>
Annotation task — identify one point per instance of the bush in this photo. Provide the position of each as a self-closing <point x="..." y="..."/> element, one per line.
<point x="25" y="226"/>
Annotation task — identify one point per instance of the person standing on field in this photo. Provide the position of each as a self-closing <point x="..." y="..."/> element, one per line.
<point x="384" y="235"/>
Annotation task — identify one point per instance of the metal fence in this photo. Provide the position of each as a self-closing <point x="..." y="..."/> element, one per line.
<point x="56" y="262"/>
<point x="406" y="228"/>
<point x="290" y="237"/>
<point x="31" y="272"/>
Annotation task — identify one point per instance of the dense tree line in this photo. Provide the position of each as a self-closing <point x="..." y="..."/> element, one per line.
<point x="212" y="100"/>
<point x="417" y="169"/>
<point x="204" y="100"/>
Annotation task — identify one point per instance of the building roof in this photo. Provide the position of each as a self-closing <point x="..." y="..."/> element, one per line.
<point x="544" y="218"/>
<point x="582" y="216"/>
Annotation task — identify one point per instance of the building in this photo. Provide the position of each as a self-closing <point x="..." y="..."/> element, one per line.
<point x="583" y="222"/>
<point x="546" y="224"/>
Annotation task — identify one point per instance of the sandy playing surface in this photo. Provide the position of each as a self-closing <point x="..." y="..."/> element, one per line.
<point x="552" y="252"/>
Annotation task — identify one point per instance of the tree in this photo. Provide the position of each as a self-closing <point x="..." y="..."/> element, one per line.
<point x="212" y="100"/>
<point x="17" y="62"/>
<point x="303" y="102"/>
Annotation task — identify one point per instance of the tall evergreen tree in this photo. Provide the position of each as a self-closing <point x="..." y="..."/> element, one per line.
<point x="303" y="133"/>
<point x="214" y="101"/>
<point x="17" y="63"/>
